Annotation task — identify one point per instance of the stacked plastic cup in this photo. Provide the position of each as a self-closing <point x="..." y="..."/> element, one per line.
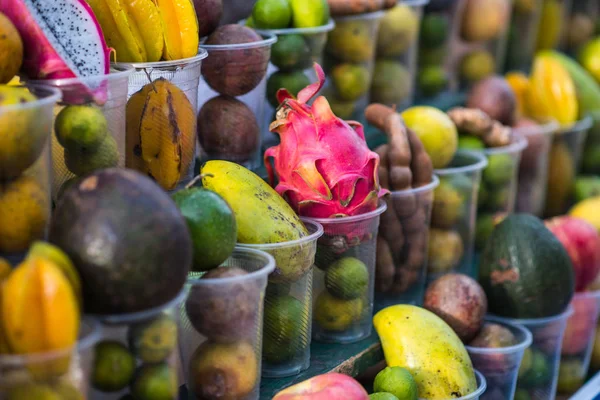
<point x="221" y="336"/>
<point x="522" y="35"/>
<point x="288" y="300"/>
<point x="479" y="393"/>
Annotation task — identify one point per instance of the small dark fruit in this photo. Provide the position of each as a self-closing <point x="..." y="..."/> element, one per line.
<point x="496" y="98"/>
<point x="209" y="14"/>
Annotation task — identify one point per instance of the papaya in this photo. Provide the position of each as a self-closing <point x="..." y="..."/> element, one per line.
<point x="262" y="215"/>
<point x="551" y="93"/>
<point x="40" y="312"/>
<point x="420" y="341"/>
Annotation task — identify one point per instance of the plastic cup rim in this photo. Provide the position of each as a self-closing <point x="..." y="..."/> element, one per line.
<point x="86" y="342"/>
<point x="297" y="242"/>
<point x="517" y="146"/>
<point x="590" y="294"/>
<point x="480" y="163"/>
<point x="577" y="126"/>
<point x="202" y="54"/>
<point x="548" y="128"/>
<point x="263" y="271"/>
<point x="412" y="3"/>
<point x="354" y="218"/>
<point x="481" y="387"/>
<point x="298" y="31"/>
<point x="536" y="321"/>
<point x="54" y="95"/>
<point x="117" y="71"/>
<point x="268" y="40"/>
<point x="435" y="181"/>
<point x="130" y="318"/>
<point x="528" y="339"/>
<point x="363" y="16"/>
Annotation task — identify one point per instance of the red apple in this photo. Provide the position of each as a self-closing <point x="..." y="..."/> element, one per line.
<point x="581" y="325"/>
<point x="582" y="242"/>
<point x="331" y="386"/>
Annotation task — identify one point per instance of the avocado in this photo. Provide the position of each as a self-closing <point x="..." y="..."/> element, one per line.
<point x="127" y="239"/>
<point x="212" y="226"/>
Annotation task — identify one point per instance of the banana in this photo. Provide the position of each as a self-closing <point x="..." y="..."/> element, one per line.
<point x="161" y="126"/>
<point x="262" y="217"/>
<point x="180" y="25"/>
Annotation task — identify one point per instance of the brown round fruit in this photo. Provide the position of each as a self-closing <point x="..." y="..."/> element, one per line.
<point x="224" y="312"/>
<point x="460" y="301"/>
<point x="235" y="72"/>
<point x="209" y="14"/>
<point x="496" y="98"/>
<point x="227" y="129"/>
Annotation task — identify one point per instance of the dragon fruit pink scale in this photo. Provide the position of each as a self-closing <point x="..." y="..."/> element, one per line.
<point x="324" y="166"/>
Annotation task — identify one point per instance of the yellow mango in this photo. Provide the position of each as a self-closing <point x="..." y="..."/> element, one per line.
<point x="551" y="93"/>
<point x="145" y="17"/>
<point x="420" y="341"/>
<point x="180" y="25"/>
<point x="588" y="210"/>
<point x="40" y="312"/>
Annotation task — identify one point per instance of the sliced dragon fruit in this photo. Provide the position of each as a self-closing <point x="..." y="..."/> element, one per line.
<point x="62" y="39"/>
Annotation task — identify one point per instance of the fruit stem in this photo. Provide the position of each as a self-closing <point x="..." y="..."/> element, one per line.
<point x="150" y="79"/>
<point x="196" y="179"/>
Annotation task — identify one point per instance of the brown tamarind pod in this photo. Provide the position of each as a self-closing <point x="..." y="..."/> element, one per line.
<point x="390" y="228"/>
<point x="471" y="121"/>
<point x="414" y="222"/>
<point x="416" y="253"/>
<point x="382" y="170"/>
<point x="420" y="164"/>
<point x="404" y="279"/>
<point x="400" y="178"/>
<point x="498" y="136"/>
<point x="404" y="205"/>
<point x="384" y="267"/>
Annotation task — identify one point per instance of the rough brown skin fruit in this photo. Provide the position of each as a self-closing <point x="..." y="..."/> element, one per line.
<point x="235" y="72"/>
<point x="495" y="97"/>
<point x="224" y="312"/>
<point x="493" y="336"/>
<point x="127" y="240"/>
<point x="227" y="128"/>
<point x="350" y="7"/>
<point x="460" y="301"/>
<point x="209" y="14"/>
<point x="385" y="269"/>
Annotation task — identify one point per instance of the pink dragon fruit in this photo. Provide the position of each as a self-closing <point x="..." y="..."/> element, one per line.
<point x="62" y="39"/>
<point x="324" y="166"/>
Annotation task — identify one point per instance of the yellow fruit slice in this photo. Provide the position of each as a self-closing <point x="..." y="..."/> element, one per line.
<point x="39" y="308"/>
<point x="145" y="18"/>
<point x="173" y="49"/>
<point x="117" y="30"/>
<point x="134" y="113"/>
<point x="188" y="27"/>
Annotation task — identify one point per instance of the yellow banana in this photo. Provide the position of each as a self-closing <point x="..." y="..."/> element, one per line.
<point x="161" y="126"/>
<point x="180" y="25"/>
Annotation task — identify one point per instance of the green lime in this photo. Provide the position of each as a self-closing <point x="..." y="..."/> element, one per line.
<point x="469" y="142"/>
<point x="397" y="381"/>
<point x="155" y="340"/>
<point x="290" y="52"/>
<point x="351" y="81"/>
<point x="539" y="374"/>
<point x="342" y="109"/>
<point x="272" y="14"/>
<point x="434" y="30"/>
<point x="522" y="394"/>
<point x="391" y="83"/>
<point x="284" y="317"/>
<point x="432" y="80"/>
<point x="84" y="161"/>
<point x="250" y="22"/>
<point x="477" y="65"/>
<point x="483" y="229"/>
<point x="79" y="127"/>
<point x="352" y="41"/>
<point x="382" y="396"/>
<point x="292" y="81"/>
<point x="155" y="382"/>
<point x="482" y="195"/>
<point x="429" y="57"/>
<point x="347" y="278"/>
<point x="448" y="205"/>
<point x="398" y="31"/>
<point x="114" y="367"/>
<point x="309" y="13"/>
<point x="337" y="315"/>
<point x="33" y="391"/>
<point x="500" y="169"/>
<point x="497" y="199"/>
<point x="526" y="362"/>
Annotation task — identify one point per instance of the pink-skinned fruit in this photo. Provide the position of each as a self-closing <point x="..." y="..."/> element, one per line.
<point x="332" y="386"/>
<point x="62" y="39"/>
<point x="324" y="166"/>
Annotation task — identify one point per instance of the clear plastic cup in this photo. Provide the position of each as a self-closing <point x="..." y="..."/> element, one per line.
<point x="349" y="63"/>
<point x="498" y="189"/>
<point x="564" y="164"/>
<point x="533" y="170"/>
<point x="590" y="163"/>
<point x="477" y="49"/>
<point x="25" y="169"/>
<point x="578" y="342"/>
<point x="221" y="334"/>
<point x="452" y="233"/>
<point x="402" y="243"/>
<point x="477" y="394"/>
<point x="139" y="353"/>
<point x="232" y="101"/>
<point x="58" y="373"/>
<point x="176" y="158"/>
<point x="500" y="366"/>
<point x="345" y="277"/>
<point x="291" y="67"/>
<point x="396" y="56"/>
<point x="538" y="374"/>
<point x="553" y="24"/>
<point x="288" y="302"/>
<point x="100" y="102"/>
<point x="522" y="35"/>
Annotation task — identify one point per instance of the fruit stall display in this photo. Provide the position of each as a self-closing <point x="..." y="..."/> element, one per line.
<point x="553" y="24"/>
<point x="232" y="94"/>
<point x="396" y="54"/>
<point x="522" y="34"/>
<point x="301" y="29"/>
<point x="581" y="25"/>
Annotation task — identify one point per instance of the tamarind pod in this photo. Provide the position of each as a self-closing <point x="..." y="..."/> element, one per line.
<point x="400" y="178"/>
<point x="404" y="279"/>
<point x="421" y="165"/>
<point x="471" y="121"/>
<point x="416" y="250"/>
<point x="404" y="205"/>
<point x="384" y="267"/>
<point x="390" y="229"/>
<point x="414" y="222"/>
<point x="383" y="171"/>
<point x="389" y="121"/>
<point x="498" y="135"/>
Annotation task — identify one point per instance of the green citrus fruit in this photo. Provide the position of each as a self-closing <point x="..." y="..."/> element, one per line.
<point x="468" y="142"/>
<point x="155" y="382"/>
<point x="477" y="65"/>
<point x="350" y="81"/>
<point x="290" y="52"/>
<point x="78" y="127"/>
<point x="347" y="278"/>
<point x="114" y="367"/>
<point x="309" y="13"/>
<point x="282" y="333"/>
<point x="83" y="161"/>
<point x="337" y="315"/>
<point x="293" y="81"/>
<point x="272" y="14"/>
<point x="155" y="340"/>
<point x="397" y="381"/>
<point x="432" y="80"/>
